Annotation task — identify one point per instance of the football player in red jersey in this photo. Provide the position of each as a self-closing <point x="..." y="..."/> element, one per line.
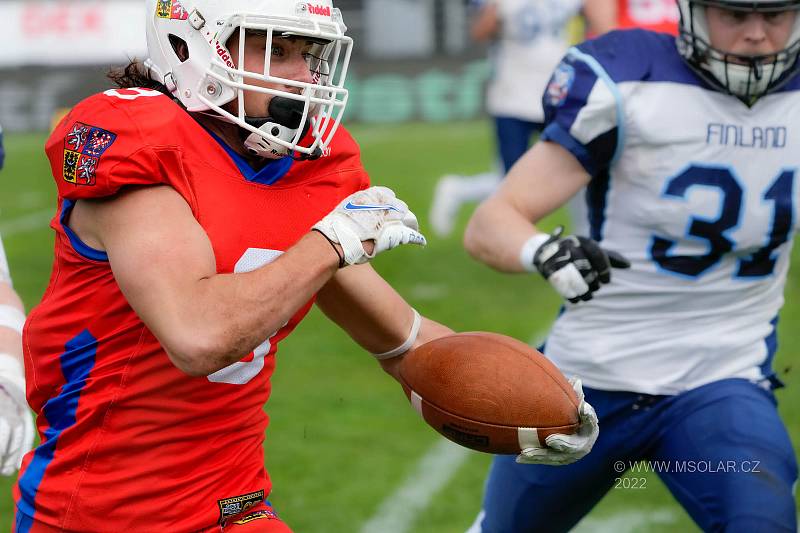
<point x="203" y="206"/>
<point x="16" y="424"/>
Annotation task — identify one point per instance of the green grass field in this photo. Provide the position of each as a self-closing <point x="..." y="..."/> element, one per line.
<point x="343" y="439"/>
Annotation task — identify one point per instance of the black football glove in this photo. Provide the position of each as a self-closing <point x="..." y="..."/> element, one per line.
<point x="576" y="266"/>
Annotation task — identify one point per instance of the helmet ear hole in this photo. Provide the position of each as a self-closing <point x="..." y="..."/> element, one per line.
<point x="179" y="46"/>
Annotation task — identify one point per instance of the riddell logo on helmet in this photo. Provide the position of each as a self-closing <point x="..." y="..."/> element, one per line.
<point x="319" y="10"/>
<point x="223" y="54"/>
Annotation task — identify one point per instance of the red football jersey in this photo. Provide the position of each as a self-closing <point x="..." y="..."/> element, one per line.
<point x="655" y="15"/>
<point x="129" y="442"/>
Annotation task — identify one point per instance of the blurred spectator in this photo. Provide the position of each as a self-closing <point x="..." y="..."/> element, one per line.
<point x="528" y="38"/>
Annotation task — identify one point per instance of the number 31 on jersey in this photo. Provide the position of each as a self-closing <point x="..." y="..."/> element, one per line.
<point x="780" y="194"/>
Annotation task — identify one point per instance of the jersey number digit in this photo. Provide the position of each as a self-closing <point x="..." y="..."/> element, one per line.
<point x="759" y="264"/>
<point x="242" y="372"/>
<point x="780" y="193"/>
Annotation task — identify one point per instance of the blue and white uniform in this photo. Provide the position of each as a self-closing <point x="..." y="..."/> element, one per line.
<point x="700" y="193"/>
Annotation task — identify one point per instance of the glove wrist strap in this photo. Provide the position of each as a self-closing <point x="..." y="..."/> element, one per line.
<point x="333" y="245"/>
<point x="529" y="249"/>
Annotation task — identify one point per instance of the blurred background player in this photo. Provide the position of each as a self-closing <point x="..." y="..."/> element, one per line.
<point x="700" y="195"/>
<point x="16" y="424"/>
<point x="656" y="15"/>
<point x="528" y="38"/>
<point x="204" y="205"/>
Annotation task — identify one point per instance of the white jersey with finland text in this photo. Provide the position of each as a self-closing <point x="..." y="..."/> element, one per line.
<point x="699" y="192"/>
<point x="532" y="40"/>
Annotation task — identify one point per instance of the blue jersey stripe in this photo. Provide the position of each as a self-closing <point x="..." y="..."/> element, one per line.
<point x="771" y="342"/>
<point x="77" y="244"/>
<point x="77" y="362"/>
<point x="596" y="202"/>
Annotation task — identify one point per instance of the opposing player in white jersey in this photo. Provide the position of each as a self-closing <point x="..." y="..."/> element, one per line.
<point x="16" y="424"/>
<point x="691" y="153"/>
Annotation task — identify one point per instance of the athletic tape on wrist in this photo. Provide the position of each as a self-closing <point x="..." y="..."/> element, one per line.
<point x="529" y="249"/>
<point x="403" y="348"/>
<point x="12" y="317"/>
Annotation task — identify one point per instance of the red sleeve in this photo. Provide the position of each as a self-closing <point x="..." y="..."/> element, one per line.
<point x="104" y="143"/>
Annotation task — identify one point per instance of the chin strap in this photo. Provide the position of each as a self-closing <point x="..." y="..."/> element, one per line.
<point x="308" y="157"/>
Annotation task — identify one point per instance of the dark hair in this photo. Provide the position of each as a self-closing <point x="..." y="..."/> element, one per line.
<point x="135" y="74"/>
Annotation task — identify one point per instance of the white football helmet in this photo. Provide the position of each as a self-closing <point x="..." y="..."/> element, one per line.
<point x="747" y="77"/>
<point x="298" y="123"/>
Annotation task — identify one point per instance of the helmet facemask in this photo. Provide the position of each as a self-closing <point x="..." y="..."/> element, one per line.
<point x="301" y="115"/>
<point x="746" y="77"/>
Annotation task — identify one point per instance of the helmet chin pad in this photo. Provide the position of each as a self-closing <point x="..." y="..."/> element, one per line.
<point x="284" y="118"/>
<point x="286" y="111"/>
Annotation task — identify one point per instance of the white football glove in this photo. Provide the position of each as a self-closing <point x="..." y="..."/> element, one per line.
<point x="565" y="449"/>
<point x="16" y="422"/>
<point x="374" y="214"/>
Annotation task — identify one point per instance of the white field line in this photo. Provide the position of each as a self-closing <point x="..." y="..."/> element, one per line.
<point x="397" y="512"/>
<point x="25" y="223"/>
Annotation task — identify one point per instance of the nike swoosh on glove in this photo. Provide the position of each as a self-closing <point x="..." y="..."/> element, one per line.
<point x="374" y="214"/>
<point x="565" y="449"/>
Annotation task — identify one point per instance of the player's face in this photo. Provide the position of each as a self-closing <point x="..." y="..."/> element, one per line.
<point x="749" y="33"/>
<point x="289" y="59"/>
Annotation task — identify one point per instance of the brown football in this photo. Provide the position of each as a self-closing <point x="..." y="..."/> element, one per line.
<point x="489" y="392"/>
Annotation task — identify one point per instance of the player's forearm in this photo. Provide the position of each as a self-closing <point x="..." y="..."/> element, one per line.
<point x="229" y="315"/>
<point x="495" y="235"/>
<point x="428" y="331"/>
